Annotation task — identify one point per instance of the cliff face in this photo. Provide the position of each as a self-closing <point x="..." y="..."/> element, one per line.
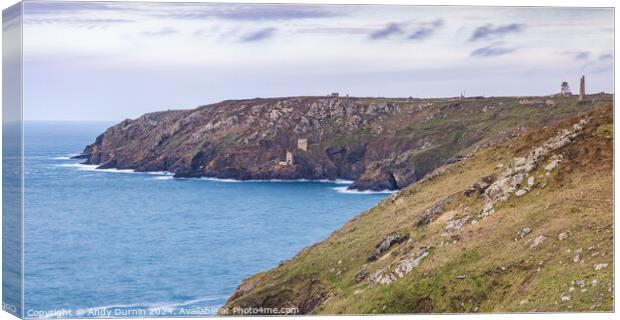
<point x="520" y="226"/>
<point x="379" y="143"/>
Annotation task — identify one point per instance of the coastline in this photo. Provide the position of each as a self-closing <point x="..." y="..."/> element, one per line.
<point x="165" y="175"/>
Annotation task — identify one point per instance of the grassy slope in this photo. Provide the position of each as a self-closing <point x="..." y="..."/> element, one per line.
<point x="456" y="126"/>
<point x="501" y="273"/>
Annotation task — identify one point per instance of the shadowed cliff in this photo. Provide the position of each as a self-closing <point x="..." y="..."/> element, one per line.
<point x="379" y="143"/>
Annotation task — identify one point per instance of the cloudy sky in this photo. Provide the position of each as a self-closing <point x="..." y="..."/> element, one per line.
<point x="111" y="61"/>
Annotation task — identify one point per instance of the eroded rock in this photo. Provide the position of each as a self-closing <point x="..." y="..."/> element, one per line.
<point x="434" y="211"/>
<point x="387" y="243"/>
<point x="524" y="232"/>
<point x="406" y="265"/>
<point x="520" y="192"/>
<point x="382" y="277"/>
<point x="456" y="224"/>
<point x="362" y="274"/>
<point x="538" y="241"/>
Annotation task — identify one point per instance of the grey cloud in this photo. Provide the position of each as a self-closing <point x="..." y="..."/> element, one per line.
<point x="388" y="30"/>
<point x="582" y="55"/>
<point x="161" y="32"/>
<point x="259" y="35"/>
<point x="491" y="31"/>
<point x="426" y="30"/>
<point x="492" y="50"/>
<point x="419" y="32"/>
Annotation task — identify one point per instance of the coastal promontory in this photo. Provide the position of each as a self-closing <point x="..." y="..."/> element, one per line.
<point x="379" y="143"/>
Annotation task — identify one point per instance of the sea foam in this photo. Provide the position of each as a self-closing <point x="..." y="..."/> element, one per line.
<point x="336" y="181"/>
<point x="93" y="167"/>
<point x="353" y="191"/>
<point x="165" y="175"/>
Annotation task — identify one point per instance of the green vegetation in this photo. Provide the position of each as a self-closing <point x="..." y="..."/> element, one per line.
<point x="485" y="266"/>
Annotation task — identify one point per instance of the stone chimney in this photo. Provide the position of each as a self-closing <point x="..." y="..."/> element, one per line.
<point x="582" y="88"/>
<point x="289" y="158"/>
<point x="302" y="144"/>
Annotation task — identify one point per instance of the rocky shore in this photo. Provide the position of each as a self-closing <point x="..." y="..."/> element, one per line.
<point x="379" y="143"/>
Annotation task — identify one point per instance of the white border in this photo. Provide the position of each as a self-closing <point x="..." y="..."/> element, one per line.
<point x="565" y="3"/>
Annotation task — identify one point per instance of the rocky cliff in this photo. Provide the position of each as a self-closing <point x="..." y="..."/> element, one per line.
<point x="523" y="225"/>
<point x="379" y="143"/>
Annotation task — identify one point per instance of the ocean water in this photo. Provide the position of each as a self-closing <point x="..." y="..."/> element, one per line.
<point x="118" y="243"/>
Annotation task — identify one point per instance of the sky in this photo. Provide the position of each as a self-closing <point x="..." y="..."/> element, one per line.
<point x="118" y="60"/>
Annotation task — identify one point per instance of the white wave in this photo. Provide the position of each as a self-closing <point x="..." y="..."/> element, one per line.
<point x="353" y="191"/>
<point x="79" y="166"/>
<point x="337" y="181"/>
<point x="93" y="167"/>
<point x="157" y="173"/>
<point x="168" y="175"/>
<point x="165" y="177"/>
<point x="66" y="157"/>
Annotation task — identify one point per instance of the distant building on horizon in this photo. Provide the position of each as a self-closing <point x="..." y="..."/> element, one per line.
<point x="582" y="88"/>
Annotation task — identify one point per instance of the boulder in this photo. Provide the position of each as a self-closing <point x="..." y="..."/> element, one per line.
<point x="434" y="211"/>
<point x="524" y="232"/>
<point x="387" y="242"/>
<point x="552" y="165"/>
<point x="517" y="180"/>
<point x="520" y="192"/>
<point x="553" y="162"/>
<point x="456" y="224"/>
<point x="538" y="241"/>
<point x="517" y="162"/>
<point x="406" y="265"/>
<point x="362" y="274"/>
<point x="381" y="277"/>
<point x="487" y="209"/>
<point x="530" y="181"/>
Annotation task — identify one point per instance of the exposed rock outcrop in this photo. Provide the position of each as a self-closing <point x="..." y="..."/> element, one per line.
<point x="387" y="243"/>
<point x="511" y="181"/>
<point x="407" y="263"/>
<point x="463" y="260"/>
<point x="381" y="144"/>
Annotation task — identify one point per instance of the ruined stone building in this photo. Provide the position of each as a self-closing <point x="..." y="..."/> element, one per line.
<point x="289" y="158"/>
<point x="302" y="144"/>
<point x="582" y="88"/>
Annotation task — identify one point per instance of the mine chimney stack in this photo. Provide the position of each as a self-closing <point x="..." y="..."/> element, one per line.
<point x="582" y="88"/>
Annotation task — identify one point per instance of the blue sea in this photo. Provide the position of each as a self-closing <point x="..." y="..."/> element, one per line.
<point x="101" y="243"/>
